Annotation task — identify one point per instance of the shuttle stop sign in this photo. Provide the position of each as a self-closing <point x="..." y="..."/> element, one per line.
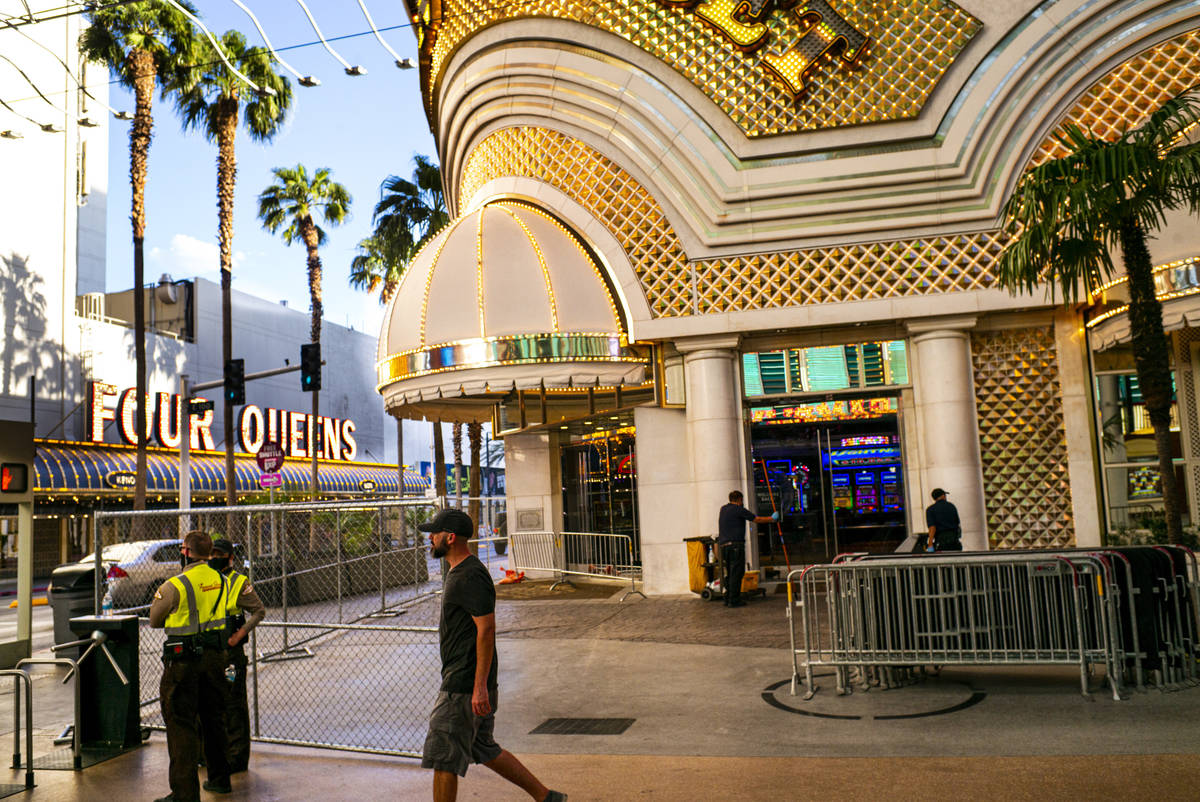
<point x="269" y="456"/>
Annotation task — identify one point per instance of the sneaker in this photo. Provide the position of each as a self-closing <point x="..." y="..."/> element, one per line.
<point x="227" y="788"/>
<point x="555" y="796"/>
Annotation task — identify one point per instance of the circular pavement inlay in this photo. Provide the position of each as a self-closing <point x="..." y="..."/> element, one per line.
<point x="932" y="696"/>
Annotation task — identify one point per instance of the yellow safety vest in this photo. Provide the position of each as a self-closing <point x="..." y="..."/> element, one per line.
<point x="201" y="608"/>
<point x="236" y="583"/>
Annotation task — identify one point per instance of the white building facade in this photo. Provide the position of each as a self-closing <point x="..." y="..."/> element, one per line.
<point x="795" y="210"/>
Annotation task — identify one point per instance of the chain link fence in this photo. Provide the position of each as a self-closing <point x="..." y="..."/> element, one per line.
<point x="347" y="656"/>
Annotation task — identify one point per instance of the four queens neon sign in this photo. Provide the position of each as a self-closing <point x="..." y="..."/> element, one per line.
<point x="292" y="430"/>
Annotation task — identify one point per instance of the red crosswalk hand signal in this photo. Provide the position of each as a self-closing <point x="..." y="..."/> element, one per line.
<point x="14" y="477"/>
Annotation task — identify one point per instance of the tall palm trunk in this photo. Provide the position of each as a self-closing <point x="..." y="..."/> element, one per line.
<point x="141" y="65"/>
<point x="439" y="459"/>
<point x="226" y="181"/>
<point x="475" y="439"/>
<point x="308" y="233"/>
<point x="1152" y="360"/>
<point x="458" y="464"/>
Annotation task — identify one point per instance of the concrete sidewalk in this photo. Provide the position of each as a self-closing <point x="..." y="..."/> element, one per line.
<point x="706" y="690"/>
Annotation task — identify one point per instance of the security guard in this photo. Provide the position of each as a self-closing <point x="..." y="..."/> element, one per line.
<point x="191" y="607"/>
<point x="242" y="614"/>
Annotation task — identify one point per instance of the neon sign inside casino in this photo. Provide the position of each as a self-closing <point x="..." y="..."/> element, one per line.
<point x="164" y="411"/>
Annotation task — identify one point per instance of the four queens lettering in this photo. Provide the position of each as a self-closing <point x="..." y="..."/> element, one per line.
<point x="819" y="30"/>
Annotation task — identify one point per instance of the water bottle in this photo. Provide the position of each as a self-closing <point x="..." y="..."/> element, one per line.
<point x="231" y="673"/>
<point x="106" y="605"/>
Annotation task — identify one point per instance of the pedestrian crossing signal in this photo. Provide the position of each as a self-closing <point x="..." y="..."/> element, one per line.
<point x="310" y="367"/>
<point x="14" y="478"/>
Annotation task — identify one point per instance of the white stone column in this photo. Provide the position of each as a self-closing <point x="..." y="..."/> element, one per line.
<point x="714" y="421"/>
<point x="944" y="388"/>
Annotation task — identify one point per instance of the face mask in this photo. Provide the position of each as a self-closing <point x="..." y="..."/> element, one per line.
<point x="219" y="563"/>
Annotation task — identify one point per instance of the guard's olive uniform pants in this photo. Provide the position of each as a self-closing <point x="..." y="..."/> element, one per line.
<point x="194" y="691"/>
<point x="237" y="714"/>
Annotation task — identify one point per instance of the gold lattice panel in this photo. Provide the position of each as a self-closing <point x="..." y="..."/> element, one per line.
<point x="927" y="266"/>
<point x="912" y="44"/>
<point x="790" y="278"/>
<point x="1123" y="98"/>
<point x="1022" y="439"/>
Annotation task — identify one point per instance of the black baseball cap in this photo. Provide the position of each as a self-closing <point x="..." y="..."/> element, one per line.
<point x="222" y="545"/>
<point x="937" y="493"/>
<point x="454" y="521"/>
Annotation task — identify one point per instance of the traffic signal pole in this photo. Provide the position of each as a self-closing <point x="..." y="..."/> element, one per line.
<point x="185" y="435"/>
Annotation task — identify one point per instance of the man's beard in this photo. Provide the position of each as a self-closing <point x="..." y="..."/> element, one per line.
<point x="439" y="551"/>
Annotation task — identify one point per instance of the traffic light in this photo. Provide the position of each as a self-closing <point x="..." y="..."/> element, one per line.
<point x="235" y="381"/>
<point x="310" y="367"/>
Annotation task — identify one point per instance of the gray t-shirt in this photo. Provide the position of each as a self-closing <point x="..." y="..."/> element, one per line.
<point x="468" y="593"/>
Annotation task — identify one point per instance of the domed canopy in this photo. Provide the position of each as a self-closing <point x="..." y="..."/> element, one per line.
<point x="505" y="297"/>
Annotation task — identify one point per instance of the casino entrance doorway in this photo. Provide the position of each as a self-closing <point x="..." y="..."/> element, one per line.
<point x="834" y="472"/>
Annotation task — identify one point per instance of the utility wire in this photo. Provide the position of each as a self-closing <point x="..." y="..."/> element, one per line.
<point x="263" y="90"/>
<point x="356" y="69"/>
<point x="304" y="80"/>
<point x="271" y="50"/>
<point x="120" y="115"/>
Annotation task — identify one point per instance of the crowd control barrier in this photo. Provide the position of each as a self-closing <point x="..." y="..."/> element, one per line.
<point x="567" y="554"/>
<point x="1131" y="610"/>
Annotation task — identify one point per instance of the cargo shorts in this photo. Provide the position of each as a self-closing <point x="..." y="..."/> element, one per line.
<point x="457" y="737"/>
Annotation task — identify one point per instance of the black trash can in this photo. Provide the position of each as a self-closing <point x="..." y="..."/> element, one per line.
<point x="71" y="593"/>
<point x="110" y="713"/>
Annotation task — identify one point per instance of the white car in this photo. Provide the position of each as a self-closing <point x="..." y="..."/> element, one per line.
<point x="135" y="570"/>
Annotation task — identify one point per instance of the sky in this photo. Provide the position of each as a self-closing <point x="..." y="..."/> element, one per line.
<point x="363" y="128"/>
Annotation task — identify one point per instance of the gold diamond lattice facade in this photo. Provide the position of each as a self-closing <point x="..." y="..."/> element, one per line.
<point x="673" y="287"/>
<point x="892" y="81"/>
<point x="1122" y="99"/>
<point x="1022" y="439"/>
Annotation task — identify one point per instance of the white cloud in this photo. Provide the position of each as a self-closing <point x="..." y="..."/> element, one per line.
<point x="186" y="256"/>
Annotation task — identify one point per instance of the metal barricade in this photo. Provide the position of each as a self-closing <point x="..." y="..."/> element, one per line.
<point x="20" y="677"/>
<point x="1152" y="595"/>
<point x="956" y="610"/>
<point x="588" y="554"/>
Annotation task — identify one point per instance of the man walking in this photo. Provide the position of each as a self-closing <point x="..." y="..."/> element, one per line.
<point x="191" y="607"/>
<point x="462" y="723"/>
<point x="242" y="613"/>
<point x="731" y="539"/>
<point x="945" y="530"/>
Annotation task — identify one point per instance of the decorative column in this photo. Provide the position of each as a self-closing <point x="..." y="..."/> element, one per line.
<point x="944" y="389"/>
<point x="714" y="426"/>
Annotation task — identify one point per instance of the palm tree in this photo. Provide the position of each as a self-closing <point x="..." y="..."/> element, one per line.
<point x="407" y="216"/>
<point x="142" y="44"/>
<point x="456" y="441"/>
<point x="1069" y="214"/>
<point x="475" y="483"/>
<point x="290" y="204"/>
<point x="211" y="98"/>
<point x="371" y="270"/>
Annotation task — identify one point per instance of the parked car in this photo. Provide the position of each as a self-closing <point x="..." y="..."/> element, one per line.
<point x="133" y="571"/>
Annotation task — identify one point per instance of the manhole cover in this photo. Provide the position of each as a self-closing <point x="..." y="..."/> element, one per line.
<point x="582" y="726"/>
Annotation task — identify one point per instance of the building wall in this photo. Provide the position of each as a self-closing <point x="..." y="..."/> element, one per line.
<point x="664" y="486"/>
<point x="45" y="218"/>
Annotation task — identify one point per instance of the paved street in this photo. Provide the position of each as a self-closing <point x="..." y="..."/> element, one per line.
<point x="703" y="686"/>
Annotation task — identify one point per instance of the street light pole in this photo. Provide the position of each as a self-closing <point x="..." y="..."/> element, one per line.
<point x="185" y="468"/>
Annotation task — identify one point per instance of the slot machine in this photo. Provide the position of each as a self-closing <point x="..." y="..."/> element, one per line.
<point x="843" y="492"/>
<point x="866" y="494"/>
<point x="889" y="482"/>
